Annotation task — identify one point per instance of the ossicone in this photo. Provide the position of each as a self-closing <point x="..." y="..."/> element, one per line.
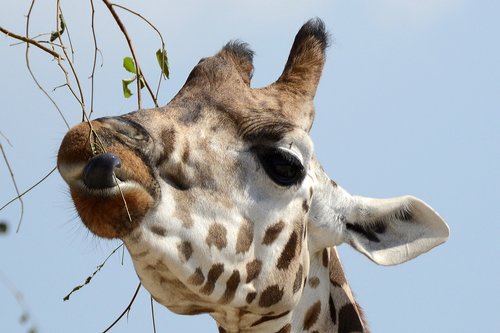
<point x="240" y="54"/>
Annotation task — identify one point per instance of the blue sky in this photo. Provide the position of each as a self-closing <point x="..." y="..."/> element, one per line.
<point x="409" y="103"/>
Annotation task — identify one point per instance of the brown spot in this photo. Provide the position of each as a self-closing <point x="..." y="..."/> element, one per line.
<point x="213" y="274"/>
<point x="285" y="329"/>
<point x="263" y="319"/>
<point x="217" y="236"/>
<point x="251" y="297"/>
<point x="160" y="266"/>
<point x="231" y="286"/>
<point x="158" y="230"/>
<point x="140" y="254"/>
<point x="334" y="184"/>
<point x="311" y="192"/>
<point x="270" y="296"/>
<point x="253" y="269"/>
<point x="312" y="315"/>
<point x="168" y="140"/>
<point x="305" y="206"/>
<point x="333" y="311"/>
<point x="337" y="277"/>
<point x="325" y="257"/>
<point x="197" y="278"/>
<point x="196" y="310"/>
<point x="349" y="320"/>
<point x="272" y="233"/>
<point x="298" y="279"/>
<point x="184" y="216"/>
<point x="185" y="251"/>
<point x="185" y="153"/>
<point x="288" y="252"/>
<point x="245" y="237"/>
<point x="314" y="282"/>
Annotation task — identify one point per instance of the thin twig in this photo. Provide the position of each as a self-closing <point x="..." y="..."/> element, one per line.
<point x="32" y="187"/>
<point x="32" y="42"/>
<point x="131" y="48"/>
<point x="70" y="63"/>
<point x="87" y="280"/>
<point x="26" y="55"/>
<point x="69" y="38"/>
<point x="94" y="60"/>
<point x="15" y="186"/>
<point x="6" y="138"/>
<point x="126" y="311"/>
<point x="153" y="313"/>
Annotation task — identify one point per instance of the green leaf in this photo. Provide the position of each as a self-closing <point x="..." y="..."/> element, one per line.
<point x="126" y="91"/>
<point x="129" y="65"/>
<point x="161" y="56"/>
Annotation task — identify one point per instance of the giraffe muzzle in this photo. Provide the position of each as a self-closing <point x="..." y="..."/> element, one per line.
<point x="99" y="172"/>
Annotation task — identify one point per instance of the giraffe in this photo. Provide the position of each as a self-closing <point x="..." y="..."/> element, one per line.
<point x="224" y="207"/>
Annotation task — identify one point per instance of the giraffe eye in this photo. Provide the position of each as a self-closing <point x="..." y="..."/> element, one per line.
<point x="282" y="167"/>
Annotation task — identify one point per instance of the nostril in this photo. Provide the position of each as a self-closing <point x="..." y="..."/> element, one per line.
<point x="98" y="173"/>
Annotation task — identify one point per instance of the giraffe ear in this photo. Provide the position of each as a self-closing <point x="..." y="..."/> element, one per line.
<point x="392" y="231"/>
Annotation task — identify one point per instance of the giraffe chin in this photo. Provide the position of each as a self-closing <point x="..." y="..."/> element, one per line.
<point x="114" y="212"/>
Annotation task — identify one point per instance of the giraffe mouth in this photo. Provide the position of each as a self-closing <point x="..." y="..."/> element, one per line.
<point x="102" y="175"/>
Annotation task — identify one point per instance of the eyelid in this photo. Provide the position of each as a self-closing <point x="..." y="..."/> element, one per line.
<point x="294" y="153"/>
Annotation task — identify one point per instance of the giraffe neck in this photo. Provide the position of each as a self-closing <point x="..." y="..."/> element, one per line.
<point x="327" y="304"/>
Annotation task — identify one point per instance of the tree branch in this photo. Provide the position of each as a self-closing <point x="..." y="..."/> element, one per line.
<point x="32" y="42"/>
<point x="129" y="42"/>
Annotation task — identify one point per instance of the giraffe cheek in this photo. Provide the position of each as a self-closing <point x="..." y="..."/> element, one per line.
<point x="112" y="216"/>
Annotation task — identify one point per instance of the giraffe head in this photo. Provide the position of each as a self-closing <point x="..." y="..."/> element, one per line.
<point x="218" y="196"/>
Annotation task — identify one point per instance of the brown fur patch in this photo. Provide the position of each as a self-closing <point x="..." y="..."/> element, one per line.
<point x="312" y="315"/>
<point x="298" y="279"/>
<point x="337" y="276"/>
<point x="270" y="296"/>
<point x="231" y="286"/>
<point x="168" y="141"/>
<point x="288" y="252"/>
<point x="268" y="318"/>
<point x="245" y="237"/>
<point x="273" y="232"/>
<point x="158" y="230"/>
<point x="349" y="321"/>
<point x="305" y="206"/>
<point x="213" y="274"/>
<point x="185" y="251"/>
<point x="253" y="269"/>
<point x="314" y="282"/>
<point x="217" y="236"/>
<point x="333" y="311"/>
<point x="285" y="329"/>
<point x="325" y="257"/>
<point x="197" y="278"/>
<point x="250" y="297"/>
